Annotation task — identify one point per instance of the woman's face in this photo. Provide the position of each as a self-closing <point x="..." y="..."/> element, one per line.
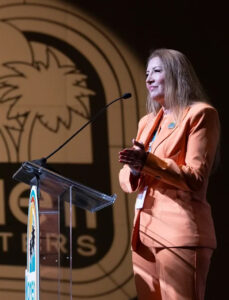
<point x="155" y="80"/>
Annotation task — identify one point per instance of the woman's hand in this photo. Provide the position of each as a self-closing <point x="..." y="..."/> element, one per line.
<point x="135" y="156"/>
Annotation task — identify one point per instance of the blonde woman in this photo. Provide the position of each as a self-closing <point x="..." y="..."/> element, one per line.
<point x="169" y="166"/>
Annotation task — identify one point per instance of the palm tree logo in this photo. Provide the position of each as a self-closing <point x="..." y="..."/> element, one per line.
<point x="47" y="92"/>
<point x="52" y="59"/>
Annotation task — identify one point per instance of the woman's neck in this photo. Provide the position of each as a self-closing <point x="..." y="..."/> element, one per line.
<point x="166" y="111"/>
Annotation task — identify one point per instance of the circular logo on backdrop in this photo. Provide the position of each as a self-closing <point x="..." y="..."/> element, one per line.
<point x="57" y="69"/>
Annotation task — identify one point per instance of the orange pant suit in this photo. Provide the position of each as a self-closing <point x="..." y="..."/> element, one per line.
<point x="173" y="235"/>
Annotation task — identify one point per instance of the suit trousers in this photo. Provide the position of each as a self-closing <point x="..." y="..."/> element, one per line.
<point x="171" y="273"/>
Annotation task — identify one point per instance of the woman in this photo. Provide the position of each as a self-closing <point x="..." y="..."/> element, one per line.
<point x="169" y="166"/>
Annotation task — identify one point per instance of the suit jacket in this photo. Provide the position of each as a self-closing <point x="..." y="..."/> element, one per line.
<point x="177" y="169"/>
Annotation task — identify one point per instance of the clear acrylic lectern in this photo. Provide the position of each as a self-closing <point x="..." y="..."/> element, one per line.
<point x="57" y="195"/>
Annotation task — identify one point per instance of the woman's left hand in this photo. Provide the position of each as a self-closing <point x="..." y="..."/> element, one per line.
<point x="135" y="156"/>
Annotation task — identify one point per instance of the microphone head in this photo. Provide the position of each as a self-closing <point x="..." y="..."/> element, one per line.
<point x="126" y="96"/>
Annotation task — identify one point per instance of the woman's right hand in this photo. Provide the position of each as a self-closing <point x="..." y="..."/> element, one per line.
<point x="135" y="156"/>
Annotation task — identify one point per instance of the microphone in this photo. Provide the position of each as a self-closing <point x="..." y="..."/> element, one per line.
<point x="42" y="161"/>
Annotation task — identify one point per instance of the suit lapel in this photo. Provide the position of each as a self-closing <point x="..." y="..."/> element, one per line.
<point x="165" y="132"/>
<point x="168" y="128"/>
<point x="150" y="127"/>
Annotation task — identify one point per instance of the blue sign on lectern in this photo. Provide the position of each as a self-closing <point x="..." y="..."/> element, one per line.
<point x="32" y="270"/>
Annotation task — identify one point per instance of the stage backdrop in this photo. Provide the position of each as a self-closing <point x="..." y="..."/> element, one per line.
<point x="58" y="67"/>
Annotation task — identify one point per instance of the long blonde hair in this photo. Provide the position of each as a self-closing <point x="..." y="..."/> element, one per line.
<point x="182" y="86"/>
